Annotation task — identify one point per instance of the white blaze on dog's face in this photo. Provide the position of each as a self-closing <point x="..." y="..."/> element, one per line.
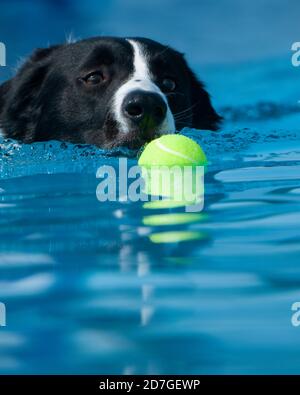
<point x="140" y="86"/>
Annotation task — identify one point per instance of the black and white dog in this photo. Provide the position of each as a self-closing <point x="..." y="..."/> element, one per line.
<point x="104" y="91"/>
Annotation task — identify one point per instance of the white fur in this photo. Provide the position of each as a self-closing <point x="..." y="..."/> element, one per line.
<point x="141" y="80"/>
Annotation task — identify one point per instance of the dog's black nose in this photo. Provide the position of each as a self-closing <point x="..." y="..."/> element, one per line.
<point x="146" y="109"/>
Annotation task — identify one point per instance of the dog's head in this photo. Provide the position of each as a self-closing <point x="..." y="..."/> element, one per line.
<point x="104" y="91"/>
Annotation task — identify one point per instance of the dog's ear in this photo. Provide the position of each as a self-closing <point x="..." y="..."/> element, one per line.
<point x="4" y="90"/>
<point x="20" y="98"/>
<point x="204" y="115"/>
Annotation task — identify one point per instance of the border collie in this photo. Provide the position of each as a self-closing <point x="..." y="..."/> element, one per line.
<point x="104" y="91"/>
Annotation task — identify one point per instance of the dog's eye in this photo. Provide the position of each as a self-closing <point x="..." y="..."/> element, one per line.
<point x="94" y="78"/>
<point x="168" y="84"/>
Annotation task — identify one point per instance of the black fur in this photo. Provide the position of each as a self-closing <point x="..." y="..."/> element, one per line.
<point x="47" y="99"/>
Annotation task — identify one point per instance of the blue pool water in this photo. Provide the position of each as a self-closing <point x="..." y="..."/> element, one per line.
<point x="88" y="291"/>
<point x="86" y="288"/>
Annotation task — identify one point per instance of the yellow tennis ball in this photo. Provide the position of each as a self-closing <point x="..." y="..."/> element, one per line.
<point x="172" y="149"/>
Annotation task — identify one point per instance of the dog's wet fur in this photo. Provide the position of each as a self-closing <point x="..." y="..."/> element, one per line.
<point x="104" y="91"/>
